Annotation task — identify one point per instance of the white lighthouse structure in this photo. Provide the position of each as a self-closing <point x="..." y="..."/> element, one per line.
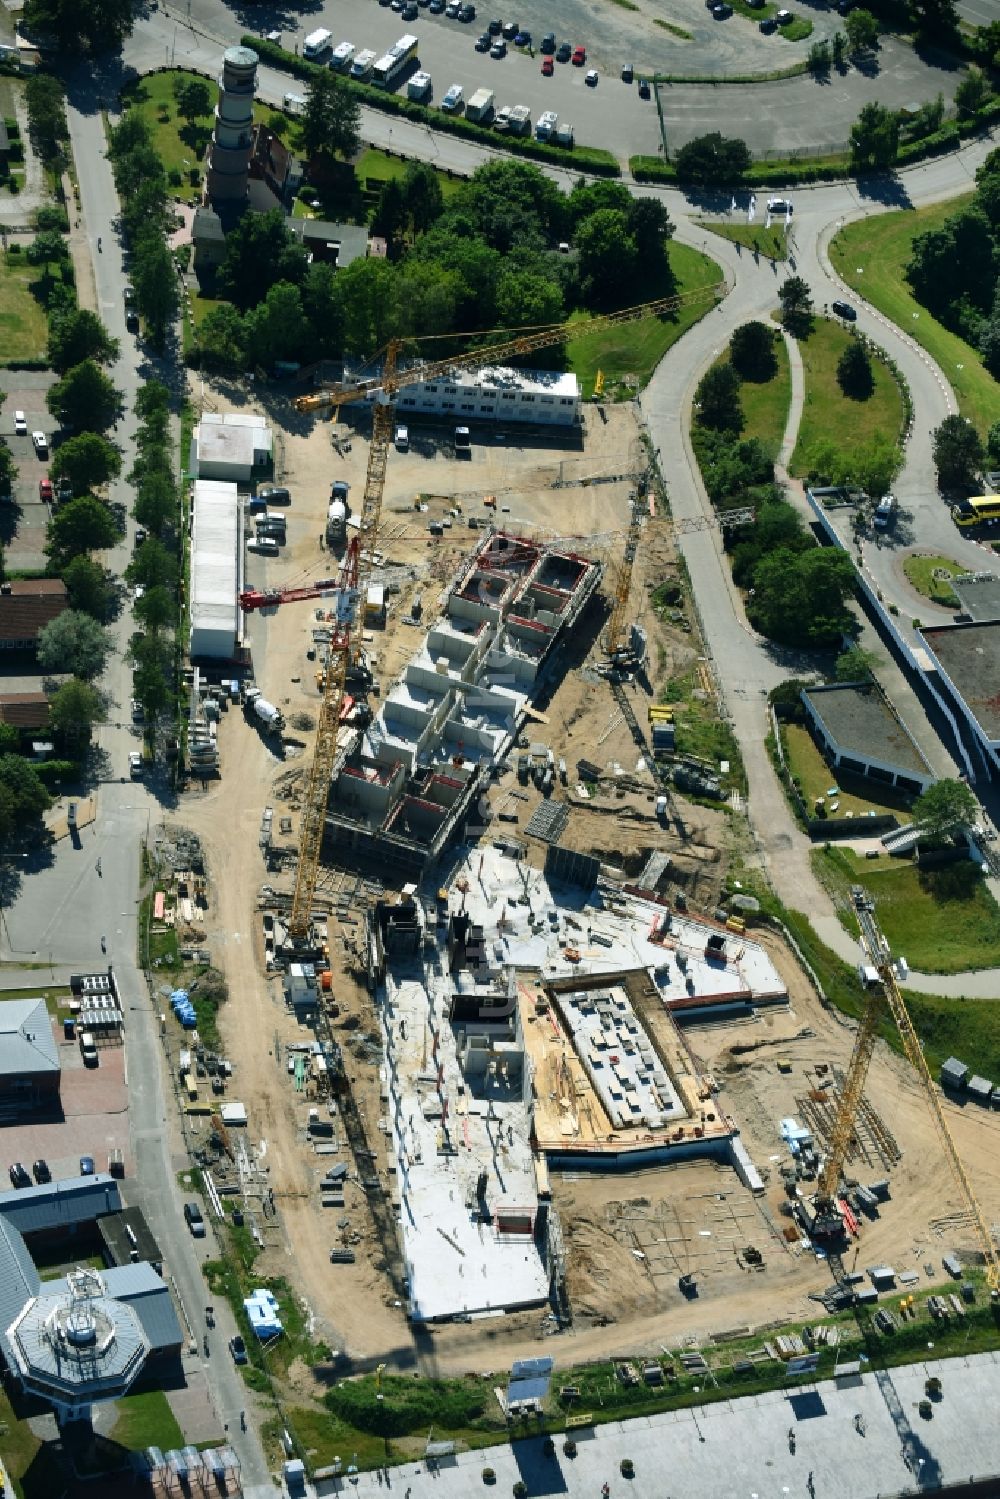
<point x="232" y="137"/>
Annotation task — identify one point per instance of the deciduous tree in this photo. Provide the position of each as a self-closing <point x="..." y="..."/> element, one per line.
<point x="74" y="709"/>
<point x="958" y="456"/>
<point x="854" y="371"/>
<point x="608" y="258"/>
<point x="260" y="252"/>
<point x="796" y="305"/>
<point x="87" y="460"/>
<point x="93" y="25"/>
<point x="751" y="351"/>
<point x="717" y="399"/>
<point x="862" y="31"/>
<point x="83" y="525"/>
<point x="874" y="139"/>
<point x="88" y="587"/>
<point x="23" y="799"/>
<point x="77" y="335"/>
<point x="73" y="642"/>
<point x="85" y="399"/>
<point x="713" y="160"/>
<point x="946" y="807"/>
<point x="331" y="124"/>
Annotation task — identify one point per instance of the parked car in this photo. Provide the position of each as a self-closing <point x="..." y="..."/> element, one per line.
<point x="452" y="9"/>
<point x="140" y="536"/>
<point x="495" y="27"/>
<point x="484" y="42"/>
<point x="194" y="1220"/>
<point x="19" y="1176"/>
<point x="628" y="72"/>
<point x="783" y="17"/>
<point x="402" y="438"/>
<point x="522" y="39"/>
<point x="548" y="43"/>
<point x="722" y="12"/>
<point x="467" y="14"/>
<point x="128" y="296"/>
<point x="564" y="52"/>
<point x="436" y="7"/>
<point x="845" y="310"/>
<point x="64" y="489"/>
<point x="134" y="765"/>
<point x="132" y="322"/>
<point x="410" y="12"/>
<point x="499" y="49"/>
<point x="45" y="490"/>
<point x="768" y="25"/>
<point x="274" y="494"/>
<point x="591" y="78"/>
<point x="579" y="57"/>
<point x="238" y="1349"/>
<point x="644" y="88"/>
<point x="264" y="546"/>
<point x="779" y="205"/>
<point x="136" y="710"/>
<point x="41" y="444"/>
<point x="548" y="67"/>
<point x="20" y="424"/>
<point x="40" y="1171"/>
<point x="510" y="29"/>
<point x="86" y="1165"/>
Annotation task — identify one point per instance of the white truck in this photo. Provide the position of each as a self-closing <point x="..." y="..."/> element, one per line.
<point x="270" y="717"/>
<point x="419" y="86"/>
<point x="361" y="67"/>
<point x="317" y="44"/>
<point x="545" y="125"/>
<point x="520" y="120"/>
<point x="480" y="107"/>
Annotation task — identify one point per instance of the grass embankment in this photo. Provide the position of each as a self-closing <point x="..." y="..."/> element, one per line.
<point x="941" y="920"/>
<point x="771" y="243"/>
<point x="23" y="328"/>
<point x="830" y="416"/>
<point x="920" y="575"/>
<point x="815" y="777"/>
<point x="629" y="352"/>
<point x="871" y="256"/>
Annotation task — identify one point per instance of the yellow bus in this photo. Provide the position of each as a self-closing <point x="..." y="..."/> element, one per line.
<point x="981" y="510"/>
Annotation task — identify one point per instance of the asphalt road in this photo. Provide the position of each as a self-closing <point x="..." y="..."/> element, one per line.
<point x="796" y="114"/>
<point x="65" y="908"/>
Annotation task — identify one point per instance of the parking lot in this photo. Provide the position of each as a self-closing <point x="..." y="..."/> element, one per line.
<point x="94" y="1115"/>
<point x="22" y="524"/>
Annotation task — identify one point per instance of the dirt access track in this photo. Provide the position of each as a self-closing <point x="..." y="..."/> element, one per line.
<point x="623" y="1303"/>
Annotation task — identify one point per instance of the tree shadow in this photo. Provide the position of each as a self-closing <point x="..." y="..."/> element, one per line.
<point x="884" y="188"/>
<point x="933" y="56"/>
<point x="867" y="64"/>
<point x="260" y="19"/>
<point x="950" y="882"/>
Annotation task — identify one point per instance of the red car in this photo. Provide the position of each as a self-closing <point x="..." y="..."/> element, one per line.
<point x="45" y="490"/>
<point x="579" y="56"/>
<point x="548" y="67"/>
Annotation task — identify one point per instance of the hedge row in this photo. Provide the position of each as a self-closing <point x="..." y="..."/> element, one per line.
<point x="585" y="158"/>
<point x="796" y="70"/>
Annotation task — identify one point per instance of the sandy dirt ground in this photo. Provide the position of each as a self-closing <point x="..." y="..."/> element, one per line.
<point x="695" y="1217"/>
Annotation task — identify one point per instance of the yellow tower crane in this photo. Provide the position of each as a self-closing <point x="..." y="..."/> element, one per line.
<point x="886" y="995"/>
<point x="384" y="389"/>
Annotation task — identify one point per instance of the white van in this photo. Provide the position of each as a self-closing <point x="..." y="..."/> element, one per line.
<point x="317" y="44"/>
<point x="294" y="103"/>
<point x="419" y="86"/>
<point x="453" y="100"/>
<point x="342" y="56"/>
<point x="362" y="65"/>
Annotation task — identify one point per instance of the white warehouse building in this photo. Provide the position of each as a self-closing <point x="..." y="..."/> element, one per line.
<point x="215" y="564"/>
<point x="493" y="394"/>
<point x="230" y="445"/>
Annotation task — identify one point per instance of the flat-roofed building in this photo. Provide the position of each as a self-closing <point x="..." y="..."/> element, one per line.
<point x="860" y="732"/>
<point x="231" y="445"/>
<point x="215" y="569"/>
<point x="492" y="394"/>
<point x="966" y="658"/>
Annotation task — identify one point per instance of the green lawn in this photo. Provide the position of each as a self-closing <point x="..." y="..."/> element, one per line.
<point x="797" y="30"/>
<point x="827" y="412"/>
<point x="357" y="192"/>
<point x="23" y="329"/>
<point x="629" y="352"/>
<point x="146" y="1420"/>
<point x="920" y="574"/>
<point x="871" y="256"/>
<point x="856" y="796"/>
<point x="180" y="144"/>
<point x="940" y="920"/>
<point x="769" y="242"/>
<point x="765" y="403"/>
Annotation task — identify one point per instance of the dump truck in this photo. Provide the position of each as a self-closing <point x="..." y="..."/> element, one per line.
<point x="266" y="714"/>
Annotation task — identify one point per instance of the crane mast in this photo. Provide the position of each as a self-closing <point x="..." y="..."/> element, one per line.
<point x="887" y="996"/>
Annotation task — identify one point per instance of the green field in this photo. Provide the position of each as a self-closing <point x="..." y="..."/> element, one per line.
<point x="941" y="920"/>
<point x="767" y="242"/>
<point x="146" y="1420"/>
<point x="827" y="413"/>
<point x="23" y="329"/>
<point x="765" y="403"/>
<point x="920" y="574"/>
<point x="856" y="796"/>
<point x="629" y="352"/>
<point x="797" y="30"/>
<point x="871" y="256"/>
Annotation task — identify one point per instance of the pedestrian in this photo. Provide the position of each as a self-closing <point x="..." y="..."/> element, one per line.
<point x="97" y="866"/>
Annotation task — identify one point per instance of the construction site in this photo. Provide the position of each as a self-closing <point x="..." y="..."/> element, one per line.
<point x="516" y="1059"/>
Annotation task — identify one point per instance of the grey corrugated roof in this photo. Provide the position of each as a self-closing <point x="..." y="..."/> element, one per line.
<point x="45" y="1359"/>
<point x="27" y="1044"/>
<point x="58" y="1204"/>
<point x="19" y="1280"/>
